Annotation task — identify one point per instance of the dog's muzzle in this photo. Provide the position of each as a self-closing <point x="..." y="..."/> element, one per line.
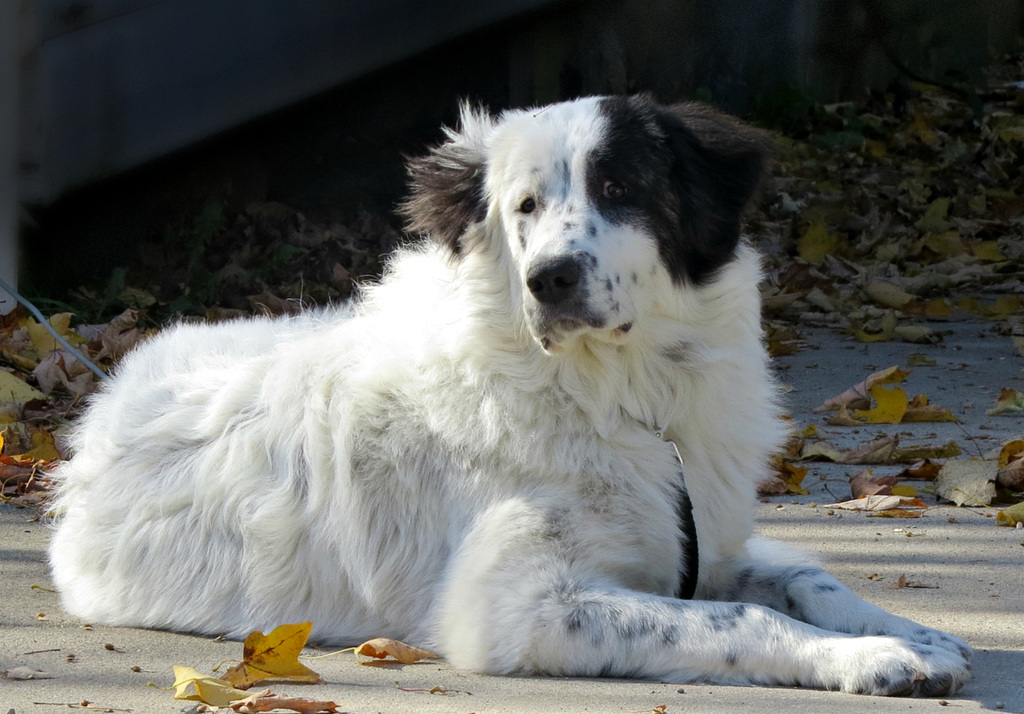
<point x="556" y="281"/>
<point x="560" y="304"/>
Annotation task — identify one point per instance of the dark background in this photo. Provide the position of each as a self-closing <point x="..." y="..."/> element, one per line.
<point x="335" y="153"/>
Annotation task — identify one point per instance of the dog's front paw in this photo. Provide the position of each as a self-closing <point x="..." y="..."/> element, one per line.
<point x="935" y="638"/>
<point x="886" y="666"/>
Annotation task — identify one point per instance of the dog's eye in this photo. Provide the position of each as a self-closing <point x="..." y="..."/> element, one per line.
<point x="614" y="190"/>
<point x="528" y="206"/>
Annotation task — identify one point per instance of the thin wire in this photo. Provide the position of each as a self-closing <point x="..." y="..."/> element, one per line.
<point x="46" y="323"/>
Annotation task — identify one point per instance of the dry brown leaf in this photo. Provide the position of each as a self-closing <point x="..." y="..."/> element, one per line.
<point x="1011" y="466"/>
<point x="382" y="648"/>
<point x="267" y="701"/>
<point x="843" y="418"/>
<point x="864" y="484"/>
<point x="919" y="410"/>
<point x="903" y="582"/>
<point x="924" y="469"/>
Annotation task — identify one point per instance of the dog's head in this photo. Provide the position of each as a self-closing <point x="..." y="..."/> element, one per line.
<point x="602" y="203"/>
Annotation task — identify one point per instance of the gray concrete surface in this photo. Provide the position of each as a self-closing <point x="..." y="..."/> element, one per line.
<point x="978" y="569"/>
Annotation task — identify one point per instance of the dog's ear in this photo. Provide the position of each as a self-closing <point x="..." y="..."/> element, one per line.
<point x="446" y="187"/>
<point x="718" y="164"/>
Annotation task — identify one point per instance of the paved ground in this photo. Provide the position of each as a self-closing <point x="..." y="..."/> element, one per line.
<point x="978" y="569"/>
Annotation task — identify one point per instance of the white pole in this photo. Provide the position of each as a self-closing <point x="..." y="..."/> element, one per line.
<point x="8" y="151"/>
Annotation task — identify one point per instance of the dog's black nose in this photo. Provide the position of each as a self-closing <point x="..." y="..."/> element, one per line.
<point x="555" y="280"/>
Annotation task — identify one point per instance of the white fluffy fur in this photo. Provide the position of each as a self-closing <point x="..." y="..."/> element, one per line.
<point x="418" y="467"/>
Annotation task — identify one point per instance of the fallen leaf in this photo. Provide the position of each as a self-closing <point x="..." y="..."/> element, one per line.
<point x="870" y="503"/>
<point x="383" y="647"/>
<point x="892" y="405"/>
<point x="1011" y="516"/>
<point x="925" y="469"/>
<point x="816" y="242"/>
<point x="897" y="513"/>
<point x="16" y="391"/>
<point x="970" y="483"/>
<point x="843" y="418"/>
<point x="884" y="450"/>
<point x="888" y="294"/>
<point x="934" y="218"/>
<point x="903" y="582"/>
<point x="190" y="685"/>
<point x="791" y="477"/>
<point x="1011" y="466"/>
<point x="24" y="673"/>
<point x="864" y="484"/>
<point x="1009" y="401"/>
<point x="858" y="396"/>
<point x="919" y="410"/>
<point x="273" y="657"/>
<point x="266" y="701"/>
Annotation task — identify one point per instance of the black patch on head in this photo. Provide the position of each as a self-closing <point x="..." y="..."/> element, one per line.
<point x="446" y="192"/>
<point x="689" y="171"/>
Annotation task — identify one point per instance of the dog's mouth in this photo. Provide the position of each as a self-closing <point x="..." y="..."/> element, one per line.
<point x="553" y="336"/>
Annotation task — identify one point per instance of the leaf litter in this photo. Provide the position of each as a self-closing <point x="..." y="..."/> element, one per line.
<point x="274" y="657"/>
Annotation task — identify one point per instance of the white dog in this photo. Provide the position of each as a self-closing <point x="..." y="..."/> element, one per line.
<point x="533" y="447"/>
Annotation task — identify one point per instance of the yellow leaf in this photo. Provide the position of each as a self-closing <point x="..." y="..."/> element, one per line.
<point x="920" y="130"/>
<point x="384" y="647"/>
<point x="190" y="685"/>
<point x="892" y="405"/>
<point x="43" y="447"/>
<point x="42" y="341"/>
<point x="816" y="243"/>
<point x="1010" y="449"/>
<point x="902" y="490"/>
<point x="793" y="476"/>
<point x="987" y="250"/>
<point x="15" y="391"/>
<point x="857" y="395"/>
<point x="888" y="294"/>
<point x="934" y="218"/>
<point x="875" y="147"/>
<point x="937" y="308"/>
<point x="273" y="657"/>
<point x="1011" y="516"/>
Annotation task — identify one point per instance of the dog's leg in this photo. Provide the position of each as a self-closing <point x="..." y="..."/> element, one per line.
<point x="813" y="596"/>
<point x="523" y="596"/>
<point x="618" y="633"/>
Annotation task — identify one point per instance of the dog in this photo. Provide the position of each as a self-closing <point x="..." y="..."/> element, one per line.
<point x="533" y="446"/>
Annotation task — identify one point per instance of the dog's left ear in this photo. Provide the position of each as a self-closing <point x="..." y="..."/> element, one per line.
<point x="719" y="163"/>
<point x="446" y="187"/>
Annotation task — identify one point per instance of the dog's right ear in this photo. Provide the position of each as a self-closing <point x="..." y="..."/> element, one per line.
<point x="446" y="187"/>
